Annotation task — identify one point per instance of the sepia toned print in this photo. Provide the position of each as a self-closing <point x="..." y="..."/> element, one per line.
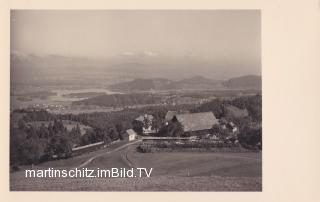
<point x="173" y="93"/>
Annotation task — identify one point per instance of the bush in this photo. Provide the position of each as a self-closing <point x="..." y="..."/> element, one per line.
<point x="144" y="148"/>
<point x="251" y="138"/>
<point x="176" y="145"/>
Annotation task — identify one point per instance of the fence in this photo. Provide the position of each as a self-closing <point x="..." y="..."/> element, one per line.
<point x="86" y="148"/>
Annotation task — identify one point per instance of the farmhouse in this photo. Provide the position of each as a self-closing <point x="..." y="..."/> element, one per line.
<point x="131" y="134"/>
<point x="226" y="125"/>
<point x="193" y="122"/>
<point x="146" y="121"/>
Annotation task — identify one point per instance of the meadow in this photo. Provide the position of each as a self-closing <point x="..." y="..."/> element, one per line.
<point x="174" y="171"/>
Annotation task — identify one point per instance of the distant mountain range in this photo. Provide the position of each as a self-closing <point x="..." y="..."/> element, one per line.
<point x="142" y="72"/>
<point x="193" y="83"/>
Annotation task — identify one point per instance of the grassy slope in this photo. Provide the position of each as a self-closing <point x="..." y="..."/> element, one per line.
<point x="207" y="172"/>
<point x="200" y="164"/>
<point x="74" y="161"/>
<point x="161" y="183"/>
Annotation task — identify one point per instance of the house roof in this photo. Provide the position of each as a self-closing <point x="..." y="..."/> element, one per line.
<point x="170" y="115"/>
<point x="235" y="112"/>
<point x="131" y="132"/>
<point x="197" y="121"/>
<point x="143" y="117"/>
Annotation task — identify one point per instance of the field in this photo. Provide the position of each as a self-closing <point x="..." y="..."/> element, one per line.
<point x="178" y="171"/>
<point x="161" y="183"/>
<point x="227" y="164"/>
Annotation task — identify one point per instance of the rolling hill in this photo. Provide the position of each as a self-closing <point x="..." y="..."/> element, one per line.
<point x="244" y="82"/>
<point x="193" y="83"/>
<point x="144" y="85"/>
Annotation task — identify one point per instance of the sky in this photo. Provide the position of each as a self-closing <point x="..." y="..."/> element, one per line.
<point x="208" y="35"/>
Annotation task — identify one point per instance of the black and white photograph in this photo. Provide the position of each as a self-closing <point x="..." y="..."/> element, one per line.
<point x="136" y="100"/>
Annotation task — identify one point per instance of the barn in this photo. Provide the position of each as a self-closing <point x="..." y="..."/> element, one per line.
<point x="194" y="122"/>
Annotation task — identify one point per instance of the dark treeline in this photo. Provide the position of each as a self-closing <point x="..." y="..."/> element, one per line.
<point x="252" y="103"/>
<point x="31" y="145"/>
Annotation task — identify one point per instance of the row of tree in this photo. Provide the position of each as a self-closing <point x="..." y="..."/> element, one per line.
<point x="31" y="145"/>
<point x="218" y="106"/>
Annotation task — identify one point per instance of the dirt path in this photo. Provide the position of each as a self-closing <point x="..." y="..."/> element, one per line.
<point x="108" y="152"/>
<point x="126" y="159"/>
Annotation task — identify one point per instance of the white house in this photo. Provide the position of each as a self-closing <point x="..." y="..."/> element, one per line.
<point x="131" y="134"/>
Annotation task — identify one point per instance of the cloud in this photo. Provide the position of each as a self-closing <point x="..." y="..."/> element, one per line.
<point x="128" y="53"/>
<point x="145" y="53"/>
<point x="150" y="53"/>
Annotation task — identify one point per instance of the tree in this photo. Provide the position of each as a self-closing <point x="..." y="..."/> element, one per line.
<point x="113" y="134"/>
<point x="98" y="134"/>
<point x="50" y="130"/>
<point x="85" y="139"/>
<point x="163" y="131"/>
<point x="31" y="132"/>
<point x="220" y="132"/>
<point x="216" y="129"/>
<point x="121" y="136"/>
<point x="21" y="124"/>
<point x="107" y="139"/>
<point x="75" y="135"/>
<point x="64" y="148"/>
<point x="251" y="137"/>
<point x="137" y="126"/>
<point x="216" y="106"/>
<point x="59" y="145"/>
<point x="43" y="131"/>
<point x="157" y="121"/>
<point x="119" y="128"/>
<point x="58" y="126"/>
<point x="32" y="148"/>
<point x="17" y="139"/>
<point x="175" y="129"/>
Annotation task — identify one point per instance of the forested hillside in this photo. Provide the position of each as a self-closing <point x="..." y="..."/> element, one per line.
<point x="32" y="142"/>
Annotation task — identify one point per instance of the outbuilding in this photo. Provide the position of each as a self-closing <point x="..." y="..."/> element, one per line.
<point x="132" y="135"/>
